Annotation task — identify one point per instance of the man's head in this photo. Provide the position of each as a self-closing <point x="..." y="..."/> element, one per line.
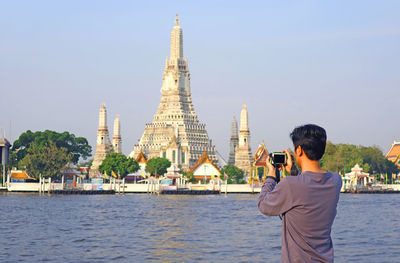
<point x="309" y="142"/>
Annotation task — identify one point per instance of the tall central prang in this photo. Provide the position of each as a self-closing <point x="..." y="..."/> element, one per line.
<point x="175" y="132"/>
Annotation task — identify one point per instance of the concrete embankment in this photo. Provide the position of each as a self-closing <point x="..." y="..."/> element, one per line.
<point x="132" y="188"/>
<point x="83" y="192"/>
<point x="156" y="188"/>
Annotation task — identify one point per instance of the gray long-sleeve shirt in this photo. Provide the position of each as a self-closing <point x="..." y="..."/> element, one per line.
<point x="308" y="205"/>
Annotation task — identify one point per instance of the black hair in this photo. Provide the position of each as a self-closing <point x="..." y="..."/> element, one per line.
<point x="312" y="140"/>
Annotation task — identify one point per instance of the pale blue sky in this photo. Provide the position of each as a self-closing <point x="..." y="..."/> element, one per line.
<point x="334" y="63"/>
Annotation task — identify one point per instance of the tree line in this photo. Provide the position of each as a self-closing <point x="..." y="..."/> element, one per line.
<point x="340" y="158"/>
<point x="46" y="153"/>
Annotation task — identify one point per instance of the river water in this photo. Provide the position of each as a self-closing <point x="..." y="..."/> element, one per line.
<point x="151" y="228"/>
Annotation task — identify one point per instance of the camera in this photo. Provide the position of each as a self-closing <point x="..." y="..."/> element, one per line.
<point x="278" y="158"/>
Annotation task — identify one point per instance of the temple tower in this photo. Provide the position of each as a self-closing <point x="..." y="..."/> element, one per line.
<point x="175" y="132"/>
<point x="243" y="150"/>
<point x="234" y="141"/>
<point x="103" y="146"/>
<point x="116" y="141"/>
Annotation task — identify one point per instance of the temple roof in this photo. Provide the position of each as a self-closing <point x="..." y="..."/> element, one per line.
<point x="203" y="159"/>
<point x="260" y="156"/>
<point x="394" y="151"/>
<point x="141" y="158"/>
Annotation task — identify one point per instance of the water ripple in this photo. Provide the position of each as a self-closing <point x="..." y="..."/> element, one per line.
<point x="150" y="228"/>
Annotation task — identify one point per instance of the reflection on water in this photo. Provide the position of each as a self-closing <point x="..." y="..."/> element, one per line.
<point x="150" y="228"/>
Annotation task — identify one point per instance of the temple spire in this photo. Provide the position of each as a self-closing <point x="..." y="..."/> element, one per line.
<point x="234" y="127"/>
<point x="234" y="141"/>
<point x="243" y="150"/>
<point x="116" y="141"/>
<point x="102" y="116"/>
<point x="176" y="71"/>
<point x="103" y="146"/>
<point x="244" y="125"/>
<point x="176" y="41"/>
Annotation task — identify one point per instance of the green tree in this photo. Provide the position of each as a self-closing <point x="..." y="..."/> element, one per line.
<point x="157" y="166"/>
<point x="87" y="163"/>
<point x="118" y="163"/>
<point x="377" y="160"/>
<point x="339" y="156"/>
<point x="342" y="157"/>
<point x="189" y="176"/>
<point x="76" y="146"/>
<point x="236" y="175"/>
<point x="46" y="160"/>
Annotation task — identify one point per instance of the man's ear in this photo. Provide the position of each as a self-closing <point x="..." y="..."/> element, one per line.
<point x="299" y="151"/>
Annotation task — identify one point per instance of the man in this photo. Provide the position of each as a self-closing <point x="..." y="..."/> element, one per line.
<point x="307" y="202"/>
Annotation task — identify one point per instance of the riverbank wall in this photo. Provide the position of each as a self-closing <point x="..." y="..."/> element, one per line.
<point x="120" y="187"/>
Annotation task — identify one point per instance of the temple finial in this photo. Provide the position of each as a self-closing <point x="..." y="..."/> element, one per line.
<point x="177" y="20"/>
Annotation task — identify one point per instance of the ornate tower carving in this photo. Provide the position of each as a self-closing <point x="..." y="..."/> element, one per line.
<point x="234" y="141"/>
<point x="116" y="141"/>
<point x="103" y="146"/>
<point x="175" y="132"/>
<point x="243" y="150"/>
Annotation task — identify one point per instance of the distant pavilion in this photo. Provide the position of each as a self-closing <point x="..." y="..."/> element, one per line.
<point x="259" y="161"/>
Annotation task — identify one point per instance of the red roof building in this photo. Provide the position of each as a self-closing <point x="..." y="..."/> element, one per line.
<point x="205" y="168"/>
<point x="394" y="153"/>
<point x="141" y="158"/>
<point x="259" y="160"/>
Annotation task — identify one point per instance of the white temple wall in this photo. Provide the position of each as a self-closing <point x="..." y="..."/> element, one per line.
<point x="206" y="169"/>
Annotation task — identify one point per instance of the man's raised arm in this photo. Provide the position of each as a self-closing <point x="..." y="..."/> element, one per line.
<point x="275" y="199"/>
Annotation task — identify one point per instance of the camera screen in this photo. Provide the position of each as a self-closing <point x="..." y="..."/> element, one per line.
<point x="279" y="158"/>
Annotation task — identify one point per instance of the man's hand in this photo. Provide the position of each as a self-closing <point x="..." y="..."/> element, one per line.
<point x="271" y="168"/>
<point x="288" y="166"/>
<point x="289" y="161"/>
